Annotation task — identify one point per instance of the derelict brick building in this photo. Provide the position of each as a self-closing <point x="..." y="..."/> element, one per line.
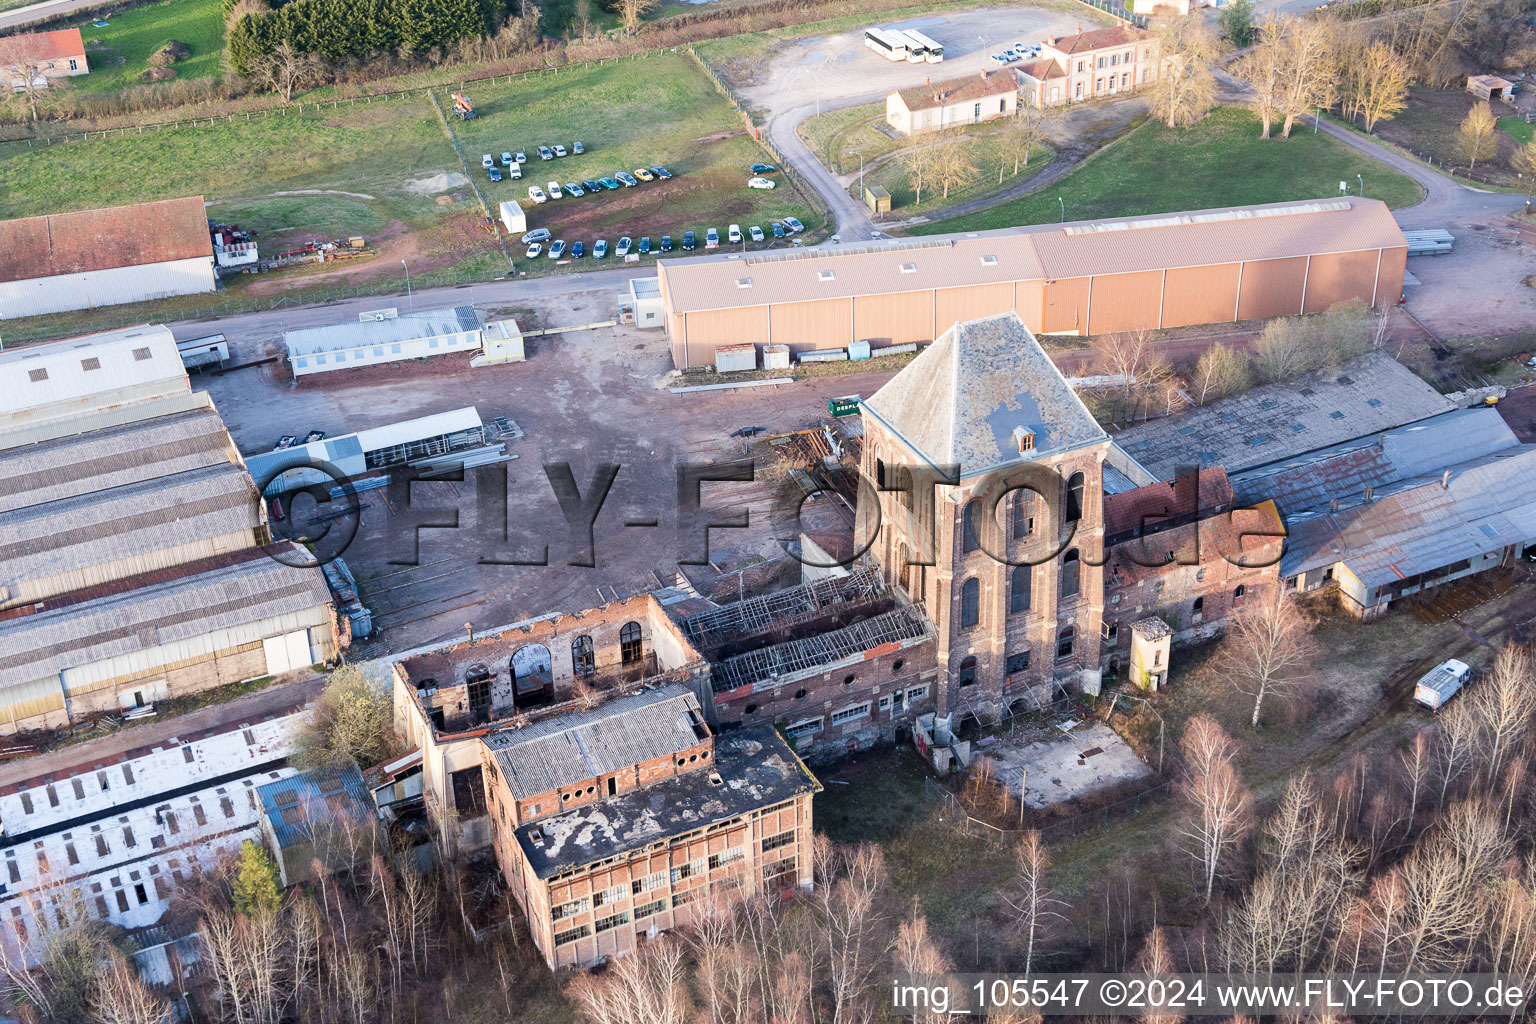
<point x="1083" y="278"/>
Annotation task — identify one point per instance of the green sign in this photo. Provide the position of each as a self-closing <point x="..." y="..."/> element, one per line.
<point x="845" y="406"/>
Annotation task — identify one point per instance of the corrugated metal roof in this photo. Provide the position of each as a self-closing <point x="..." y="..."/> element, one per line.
<point x="1034" y="252"/>
<point x="577" y="745"/>
<point x="120" y="236"/>
<point x="113" y="457"/>
<point x="426" y="323"/>
<point x="320" y="796"/>
<point x="1365" y="396"/>
<point x="50" y="642"/>
<point x="92" y="364"/>
<point x="965" y="398"/>
<point x="956" y="90"/>
<point x="1419" y="525"/>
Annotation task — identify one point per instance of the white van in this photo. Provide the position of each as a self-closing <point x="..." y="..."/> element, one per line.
<point x="1441" y="683"/>
<point x="734" y="234"/>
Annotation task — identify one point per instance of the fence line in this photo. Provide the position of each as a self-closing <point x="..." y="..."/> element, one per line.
<point x="967" y="825"/>
<point x="485" y="208"/>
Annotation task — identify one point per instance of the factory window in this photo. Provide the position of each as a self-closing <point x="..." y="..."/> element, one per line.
<point x="122" y="901"/>
<point x="968" y="671"/>
<point x="13" y="869"/>
<point x="782" y="839"/>
<point x="140" y="355"/>
<point x="630" y="644"/>
<point x="101" y="845"/>
<point x="38" y="375"/>
<point x="647" y="909"/>
<point x="1074" y="497"/>
<point x="128" y="836"/>
<point x="139" y="893"/>
<point x="128" y="774"/>
<point x="1197" y="610"/>
<point x="394" y="350"/>
<point x="1018" y="662"/>
<point x="916" y="693"/>
<point x="849" y="714"/>
<point x="808" y="727"/>
<point x="800" y="695"/>
<point x="431" y="343"/>
<point x="1018" y="595"/>
<point x="1064" y="643"/>
<point x="581" y="931"/>
<point x="1023" y="505"/>
<point x="1238" y="595"/>
<point x="378" y="352"/>
<point x="69" y="851"/>
<point x="605" y="923"/>
<point x="570" y="909"/>
<point x="582" y="661"/>
<point x="90" y="364"/>
<point x="53" y="795"/>
<point x="971" y="537"/>
<point x="1071" y="572"/>
<point x="970" y="603"/>
<point x="101" y="779"/>
<point x="725" y="857"/>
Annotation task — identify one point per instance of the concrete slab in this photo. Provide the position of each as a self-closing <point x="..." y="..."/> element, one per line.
<point x="1087" y="759"/>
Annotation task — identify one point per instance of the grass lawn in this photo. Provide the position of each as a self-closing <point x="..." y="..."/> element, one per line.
<point x="835" y="136"/>
<point x="1220" y="162"/>
<point x="1521" y="131"/>
<point x="984" y="152"/>
<point x="119" y="53"/>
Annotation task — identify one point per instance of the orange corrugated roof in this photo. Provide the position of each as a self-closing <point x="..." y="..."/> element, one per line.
<point x="121" y="236"/>
<point x="63" y="42"/>
<point x="956" y="90"/>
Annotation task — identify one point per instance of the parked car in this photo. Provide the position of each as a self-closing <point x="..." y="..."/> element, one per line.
<point x="534" y="248"/>
<point x="589" y="185"/>
<point x="600" y="248"/>
<point x="687" y="241"/>
<point x="762" y="168"/>
<point x="545" y="154"/>
<point x="1441" y="683"/>
<point x="578" y="250"/>
<point x="275" y="508"/>
<point x="557" y="248"/>
<point x="755" y="233"/>
<point x="766" y="183"/>
<point x="560" y="150"/>
<point x="506" y="158"/>
<point x="1012" y="55"/>
<point x="661" y="172"/>
<point x="711" y="239"/>
<point x="1001" y="60"/>
<point x="666" y="243"/>
<point x="777" y="229"/>
<point x="622" y="249"/>
<point x="494" y="173"/>
<point x="733" y="234"/>
<point x="794" y="225"/>
<point x="553" y="188"/>
<point x="515" y="172"/>
<point x="608" y="183"/>
<point x="628" y="180"/>
<point x="487" y="161"/>
<point x="578" y="148"/>
<point x="520" y="157"/>
<point x="537" y="194"/>
<point x="644" y="174"/>
<point x="537" y="235"/>
<point x="645" y="244"/>
<point x="573" y="190"/>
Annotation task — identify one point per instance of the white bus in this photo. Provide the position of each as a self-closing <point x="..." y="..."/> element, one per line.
<point x="933" y="53"/>
<point x="915" y="52"/>
<point x="890" y="45"/>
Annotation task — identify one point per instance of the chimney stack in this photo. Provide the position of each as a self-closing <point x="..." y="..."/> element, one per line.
<point x="1333" y="504"/>
<point x="1370" y="492"/>
<point x="1445" y="480"/>
<point x="469" y="627"/>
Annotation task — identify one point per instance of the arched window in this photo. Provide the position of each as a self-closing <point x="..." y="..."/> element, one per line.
<point x="1064" y="643"/>
<point x="1197" y="610"/>
<point x="1074" y="497"/>
<point x="582" y="660"/>
<point x="1018" y="595"/>
<point x="630" y="645"/>
<point x="968" y="671"/>
<point x="1023" y="513"/>
<point x="971" y="536"/>
<point x="880" y="474"/>
<point x="970" y="603"/>
<point x="1238" y="595"/>
<point x="1071" y="571"/>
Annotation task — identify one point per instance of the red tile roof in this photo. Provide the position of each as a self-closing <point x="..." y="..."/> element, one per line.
<point x="1041" y="70"/>
<point x="60" y="43"/>
<point x="1144" y="507"/>
<point x="122" y="236"/>
<point x="956" y="90"/>
<point x="1098" y="39"/>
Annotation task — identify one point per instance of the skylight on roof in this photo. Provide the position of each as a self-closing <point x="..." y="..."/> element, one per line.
<point x="1373" y="402"/>
<point x="1346" y="380"/>
<point x="1336" y="415"/>
<point x="909" y="268"/>
<point x="1298" y="427"/>
<point x="743" y="282"/>
<point x="827" y="275"/>
<point x="1229" y="417"/>
<point x="1188" y="430"/>
<point x="1268" y="403"/>
<point x="989" y="261"/>
<point x="1308" y="392"/>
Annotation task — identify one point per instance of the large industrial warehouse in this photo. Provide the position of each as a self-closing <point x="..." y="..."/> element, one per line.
<point x="92" y="258"/>
<point x="1092" y="277"/>
<point x="134" y="548"/>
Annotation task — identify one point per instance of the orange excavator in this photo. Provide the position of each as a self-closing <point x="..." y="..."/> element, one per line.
<point x="464" y="109"/>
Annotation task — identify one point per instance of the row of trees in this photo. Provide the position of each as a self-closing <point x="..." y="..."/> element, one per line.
<point x="950" y="163"/>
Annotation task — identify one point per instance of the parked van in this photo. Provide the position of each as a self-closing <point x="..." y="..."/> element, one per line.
<point x="1441" y="683"/>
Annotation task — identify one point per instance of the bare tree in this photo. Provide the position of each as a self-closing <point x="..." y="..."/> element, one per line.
<point x="1262" y="69"/>
<point x="1457" y="746"/>
<point x="1378" y="78"/>
<point x="1034" y="904"/>
<point x="1220" y="805"/>
<point x="1475" y="139"/>
<point x="1156" y="960"/>
<point x="851" y="880"/>
<point x="1028" y="128"/>
<point x="914" y="952"/>
<point x="645" y="987"/>
<point x="285" y="69"/>
<point x="922" y="165"/>
<point x="1185" y="89"/>
<point x="121" y="998"/>
<point x="1524" y="159"/>
<point x="1416" y="762"/>
<point x="1219" y="373"/>
<point x="1306" y="67"/>
<point x="633" y="11"/>
<point x="953" y="166"/>
<point x="1505" y="704"/>
<point x="22" y="69"/>
<point x="1268" y="648"/>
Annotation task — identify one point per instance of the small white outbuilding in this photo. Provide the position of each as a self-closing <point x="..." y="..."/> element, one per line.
<point x="513" y="218"/>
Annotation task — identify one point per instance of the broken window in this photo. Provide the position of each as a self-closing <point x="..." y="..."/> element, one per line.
<point x="971" y="539"/>
<point x="582" y="661"/>
<point x="1023" y="522"/>
<point x="1018" y="662"/>
<point x="1064" y="643"/>
<point x="967" y="672"/>
<point x="1071" y="571"/>
<point x="1074" y="497"/>
<point x="1197" y="610"/>
<point x="970" y="603"/>
<point x="1018" y="595"/>
<point x="630" y="645"/>
<point x="469" y="791"/>
<point x="1238" y="595"/>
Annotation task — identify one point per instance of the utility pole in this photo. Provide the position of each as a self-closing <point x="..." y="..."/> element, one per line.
<point x="1362" y="184"/>
<point x="409" y="302"/>
<point x="1063" y="203"/>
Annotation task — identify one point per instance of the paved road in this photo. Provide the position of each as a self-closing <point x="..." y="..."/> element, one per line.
<point x="38" y="12"/>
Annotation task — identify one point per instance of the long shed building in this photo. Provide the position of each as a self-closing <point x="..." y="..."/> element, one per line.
<point x="1091" y="277"/>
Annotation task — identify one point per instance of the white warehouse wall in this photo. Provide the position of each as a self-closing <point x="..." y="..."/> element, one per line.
<point x="65" y="292"/>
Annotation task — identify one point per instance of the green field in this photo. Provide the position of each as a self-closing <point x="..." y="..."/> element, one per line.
<point x="1520" y="131"/>
<point x="119" y="53"/>
<point x="1220" y="162"/>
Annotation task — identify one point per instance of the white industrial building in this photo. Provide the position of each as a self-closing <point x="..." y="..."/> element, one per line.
<point x="125" y="828"/>
<point x="134" y="544"/>
<point x="67" y="261"/>
<point x="389" y="336"/>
